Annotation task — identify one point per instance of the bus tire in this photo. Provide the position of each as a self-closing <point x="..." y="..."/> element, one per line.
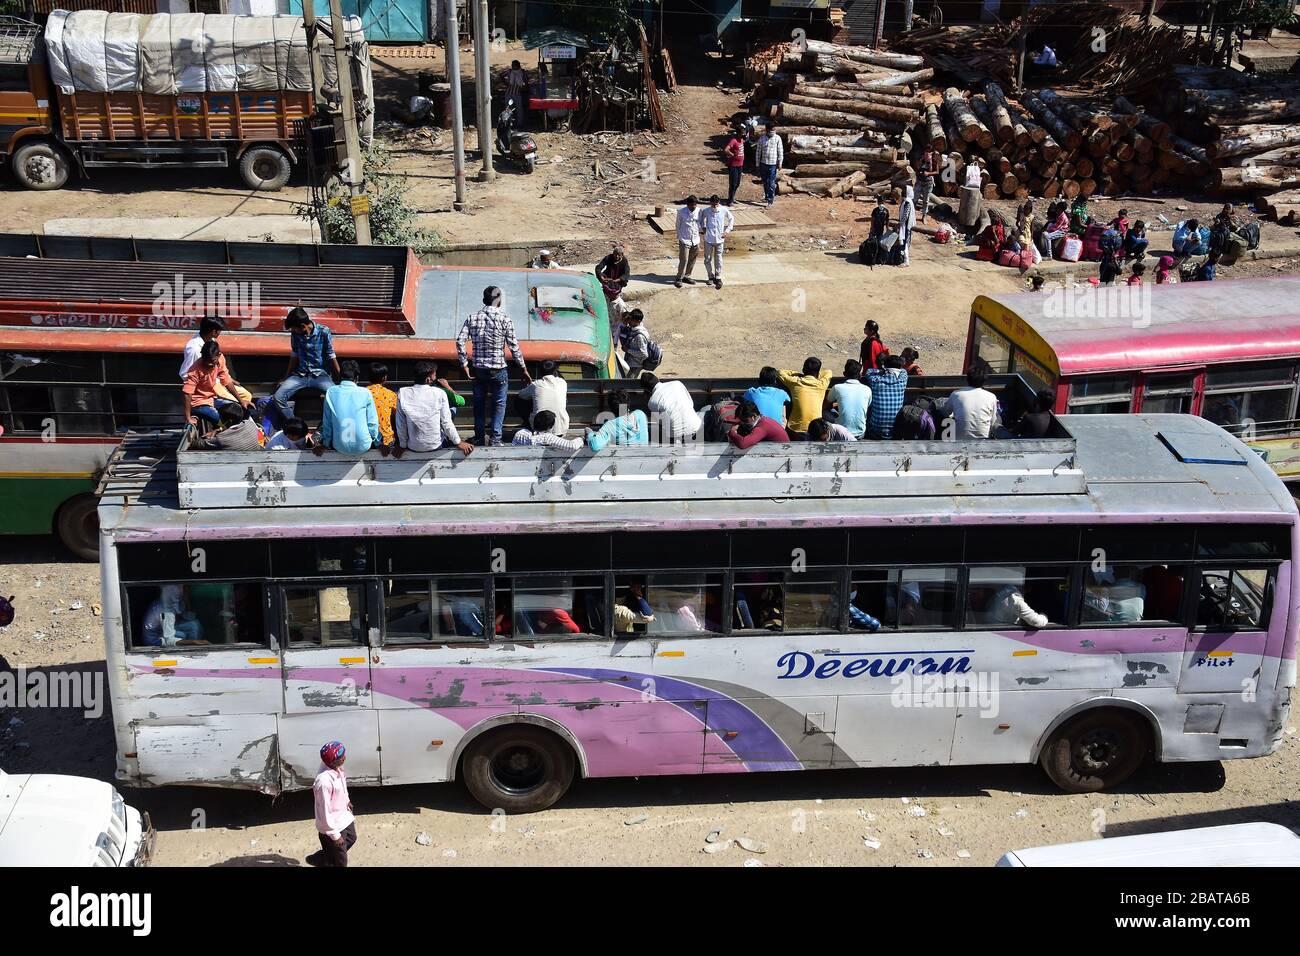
<point x="518" y="768"/>
<point x="265" y="168"/>
<point x="41" y="165"/>
<point x="77" y="525"/>
<point x="1095" y="751"/>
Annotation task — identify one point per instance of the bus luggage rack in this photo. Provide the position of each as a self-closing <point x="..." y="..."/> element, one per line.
<point x="534" y="475"/>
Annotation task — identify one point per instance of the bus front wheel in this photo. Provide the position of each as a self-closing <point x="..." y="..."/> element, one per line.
<point x="520" y="769"/>
<point x="1095" y="751"/>
<point x="77" y="525"/>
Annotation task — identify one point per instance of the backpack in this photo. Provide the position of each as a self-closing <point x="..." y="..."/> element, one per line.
<point x="654" y="356"/>
<point x="1091" y="243"/>
<point x="1234" y="247"/>
<point x="869" y="251"/>
<point x="1110" y="242"/>
<point x="914" y="423"/>
<point x="1250" y="232"/>
<point x="720" y="418"/>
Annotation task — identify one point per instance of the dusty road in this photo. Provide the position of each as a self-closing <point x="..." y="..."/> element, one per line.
<point x="927" y="817"/>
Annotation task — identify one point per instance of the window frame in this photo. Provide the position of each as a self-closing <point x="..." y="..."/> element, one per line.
<point x="271" y="635"/>
<point x="1234" y="568"/>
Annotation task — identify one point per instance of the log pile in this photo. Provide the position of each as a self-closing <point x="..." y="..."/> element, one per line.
<point x="1043" y="144"/>
<point x="844" y="114"/>
<point x="1133" y="54"/>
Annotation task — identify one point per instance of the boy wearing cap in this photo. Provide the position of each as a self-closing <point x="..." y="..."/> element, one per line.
<point x="335" y="823"/>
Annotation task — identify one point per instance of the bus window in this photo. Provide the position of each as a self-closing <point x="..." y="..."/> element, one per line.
<point x="812" y="605"/>
<point x="668" y="603"/>
<point x="757" y="601"/>
<point x="1259" y="394"/>
<point x="1132" y="593"/>
<point x="991" y="348"/>
<point x="1101" y="395"/>
<point x="1232" y="599"/>
<point x="1169" y="393"/>
<point x="81" y="410"/>
<point x="195" y="615"/>
<point x="554" y="606"/>
<point x="1003" y="596"/>
<point x="416" y="611"/>
<point x="1033" y="372"/>
<point x="324" y="615"/>
<point x="911" y="597"/>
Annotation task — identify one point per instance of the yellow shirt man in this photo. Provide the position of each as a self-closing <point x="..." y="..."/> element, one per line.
<point x="807" y="394"/>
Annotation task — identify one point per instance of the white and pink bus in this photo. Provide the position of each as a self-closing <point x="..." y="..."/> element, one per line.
<point x="1117" y="591"/>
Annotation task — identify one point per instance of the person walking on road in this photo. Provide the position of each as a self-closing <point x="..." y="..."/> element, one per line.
<point x="335" y="823"/>
<point x="734" y="152"/>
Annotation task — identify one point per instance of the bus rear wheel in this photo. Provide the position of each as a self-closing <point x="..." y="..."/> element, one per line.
<point x="1095" y="751"/>
<point x="77" y="525"/>
<point x="519" y="769"/>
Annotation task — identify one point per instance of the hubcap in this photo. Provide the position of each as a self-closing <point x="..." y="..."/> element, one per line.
<point x="40" y="169"/>
<point x="518" y="769"/>
<point x="266" y="168"/>
<point x="1097" y="751"/>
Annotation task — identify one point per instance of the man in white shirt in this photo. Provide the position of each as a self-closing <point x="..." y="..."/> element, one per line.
<point x="210" y="329"/>
<point x="423" y="419"/>
<point x="544" y="260"/>
<point x="688" y="241"/>
<point x="974" y="410"/>
<point x="543" y="432"/>
<point x="715" y="222"/>
<point x="671" y="403"/>
<point x="549" y="393"/>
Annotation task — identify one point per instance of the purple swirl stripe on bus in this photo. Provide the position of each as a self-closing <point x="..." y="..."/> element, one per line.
<point x="755" y="743"/>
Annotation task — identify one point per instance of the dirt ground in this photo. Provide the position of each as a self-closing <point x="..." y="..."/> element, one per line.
<point x="972" y="815"/>
<point x="791" y="291"/>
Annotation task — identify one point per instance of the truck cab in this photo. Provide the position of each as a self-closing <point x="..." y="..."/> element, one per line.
<point x="26" y="135"/>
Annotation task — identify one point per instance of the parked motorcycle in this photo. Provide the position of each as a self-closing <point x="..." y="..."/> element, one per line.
<point x="518" y="147"/>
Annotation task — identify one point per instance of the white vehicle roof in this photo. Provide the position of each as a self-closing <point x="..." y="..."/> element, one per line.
<point x="1240" y="844"/>
<point x="51" y="820"/>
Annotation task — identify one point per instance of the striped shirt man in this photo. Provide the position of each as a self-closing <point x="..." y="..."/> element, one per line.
<point x="491" y="331"/>
<point x="888" y="388"/>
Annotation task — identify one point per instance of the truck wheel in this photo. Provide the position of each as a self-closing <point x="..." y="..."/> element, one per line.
<point x="41" y="166"/>
<point x="521" y="769"/>
<point x="77" y="525"/>
<point x="1095" y="751"/>
<point x="265" y="168"/>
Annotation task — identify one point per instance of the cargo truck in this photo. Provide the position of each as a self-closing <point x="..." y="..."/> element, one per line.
<point x="95" y="89"/>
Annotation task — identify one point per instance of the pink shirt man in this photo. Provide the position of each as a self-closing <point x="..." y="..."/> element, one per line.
<point x="331" y="793"/>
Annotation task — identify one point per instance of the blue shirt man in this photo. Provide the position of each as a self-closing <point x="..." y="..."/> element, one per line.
<point x="310" y="364"/>
<point x="851" y="399"/>
<point x="349" y="420"/>
<point x="769" y="396"/>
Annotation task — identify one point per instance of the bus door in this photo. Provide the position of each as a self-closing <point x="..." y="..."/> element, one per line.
<point x="1225" y="651"/>
<point x="327" y="630"/>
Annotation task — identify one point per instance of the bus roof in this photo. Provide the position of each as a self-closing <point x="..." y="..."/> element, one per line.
<point x="1123" y="468"/>
<point x="1187" y="323"/>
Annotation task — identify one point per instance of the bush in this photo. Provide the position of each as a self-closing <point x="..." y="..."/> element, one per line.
<point x="392" y="217"/>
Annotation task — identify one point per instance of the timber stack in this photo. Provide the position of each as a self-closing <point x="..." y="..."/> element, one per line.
<point x="844" y="114"/>
<point x="1043" y="144"/>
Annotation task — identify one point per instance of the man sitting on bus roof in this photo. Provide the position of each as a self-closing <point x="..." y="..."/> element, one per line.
<point x="210" y="327"/>
<point x="888" y="389"/>
<point x="543" y="433"/>
<point x="807" y="390"/>
<point x="549" y="392"/>
<point x="628" y="426"/>
<point x="974" y="409"/>
<point x="678" y="421"/>
<point x="238" y="432"/>
<point x="209" y="387"/>
<point x="753" y="427"/>
<point x="349" y="419"/>
<point x="311" y="363"/>
<point x="423" y="420"/>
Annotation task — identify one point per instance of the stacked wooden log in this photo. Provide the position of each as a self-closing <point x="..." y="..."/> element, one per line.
<point x="844" y="114"/>
<point x="1250" y="125"/>
<point x="1046" y="145"/>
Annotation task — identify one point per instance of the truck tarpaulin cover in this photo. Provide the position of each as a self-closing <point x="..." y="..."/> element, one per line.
<point x="164" y="54"/>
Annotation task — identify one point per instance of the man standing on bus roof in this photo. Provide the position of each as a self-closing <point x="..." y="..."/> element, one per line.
<point x="210" y="328"/>
<point x="492" y="331"/>
<point x="313" y="363"/>
<point x="335" y="823"/>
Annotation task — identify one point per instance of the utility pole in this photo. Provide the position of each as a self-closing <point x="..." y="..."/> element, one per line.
<point x="457" y="116"/>
<point x="353" y="163"/>
<point x="483" y="87"/>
